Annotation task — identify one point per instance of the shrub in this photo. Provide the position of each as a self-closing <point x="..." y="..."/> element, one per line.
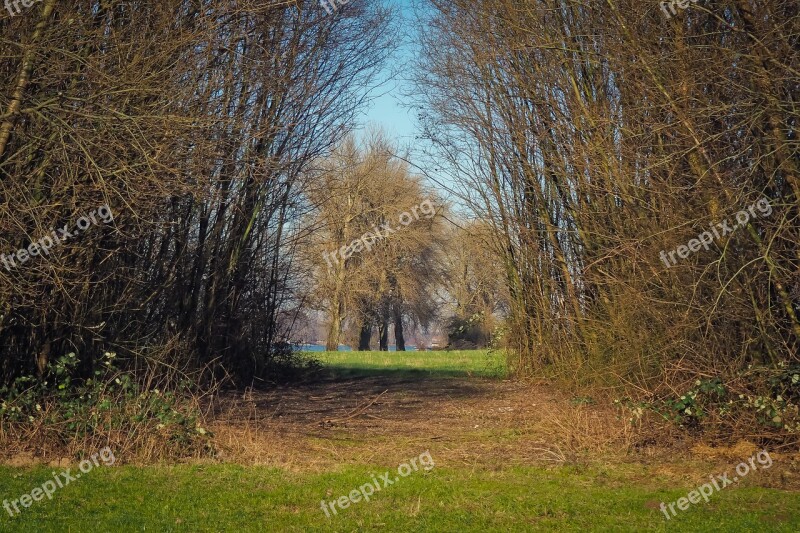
<point x="59" y="410"/>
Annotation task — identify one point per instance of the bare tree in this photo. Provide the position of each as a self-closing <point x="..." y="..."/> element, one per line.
<point x="595" y="136"/>
<point x="194" y="122"/>
<point x="377" y="240"/>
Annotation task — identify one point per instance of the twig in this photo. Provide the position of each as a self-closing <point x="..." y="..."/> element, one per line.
<point x="357" y="411"/>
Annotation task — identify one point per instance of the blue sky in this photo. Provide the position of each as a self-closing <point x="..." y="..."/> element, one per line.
<point x="386" y="110"/>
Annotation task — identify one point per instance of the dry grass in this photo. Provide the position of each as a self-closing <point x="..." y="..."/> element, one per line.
<point x="468" y="422"/>
<point x="471" y="423"/>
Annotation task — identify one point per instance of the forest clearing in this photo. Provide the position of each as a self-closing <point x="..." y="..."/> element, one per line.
<point x="410" y="265"/>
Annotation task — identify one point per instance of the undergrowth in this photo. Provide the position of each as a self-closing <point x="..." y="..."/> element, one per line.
<point x="762" y="401"/>
<point x="60" y="413"/>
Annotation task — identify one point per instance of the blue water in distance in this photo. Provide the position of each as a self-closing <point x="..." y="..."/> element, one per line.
<point x="342" y="348"/>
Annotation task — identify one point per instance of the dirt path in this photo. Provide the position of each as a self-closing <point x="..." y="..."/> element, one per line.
<point x="387" y="418"/>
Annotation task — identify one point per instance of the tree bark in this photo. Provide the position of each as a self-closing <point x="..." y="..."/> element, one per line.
<point x="399" y="338"/>
<point x="364" y="337"/>
<point x="334" y="330"/>
<point x="24" y="79"/>
<point x="383" y="329"/>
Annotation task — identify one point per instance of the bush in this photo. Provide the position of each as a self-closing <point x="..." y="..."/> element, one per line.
<point x="58" y="411"/>
<point x="468" y="333"/>
<point x="287" y="365"/>
<point x="767" y="397"/>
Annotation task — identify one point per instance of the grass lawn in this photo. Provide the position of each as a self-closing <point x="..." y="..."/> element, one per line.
<point x="236" y="498"/>
<point x="457" y="363"/>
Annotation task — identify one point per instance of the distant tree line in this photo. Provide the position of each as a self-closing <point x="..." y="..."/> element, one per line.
<point x="375" y="255"/>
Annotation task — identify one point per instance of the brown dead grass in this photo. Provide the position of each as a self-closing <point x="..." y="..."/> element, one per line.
<point x="468" y="422"/>
<point x="472" y="423"/>
<point x="464" y="423"/>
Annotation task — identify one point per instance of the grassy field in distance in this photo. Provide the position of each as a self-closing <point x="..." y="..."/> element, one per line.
<point x="456" y="363"/>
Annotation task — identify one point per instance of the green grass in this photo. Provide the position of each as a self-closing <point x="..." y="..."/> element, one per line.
<point x="458" y="363"/>
<point x="235" y="498"/>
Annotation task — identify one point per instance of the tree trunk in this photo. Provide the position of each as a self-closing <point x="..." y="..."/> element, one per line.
<point x="383" y="329"/>
<point x="399" y="339"/>
<point x="335" y="329"/>
<point x="364" y="337"/>
<point x="24" y="78"/>
<point x="337" y="312"/>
